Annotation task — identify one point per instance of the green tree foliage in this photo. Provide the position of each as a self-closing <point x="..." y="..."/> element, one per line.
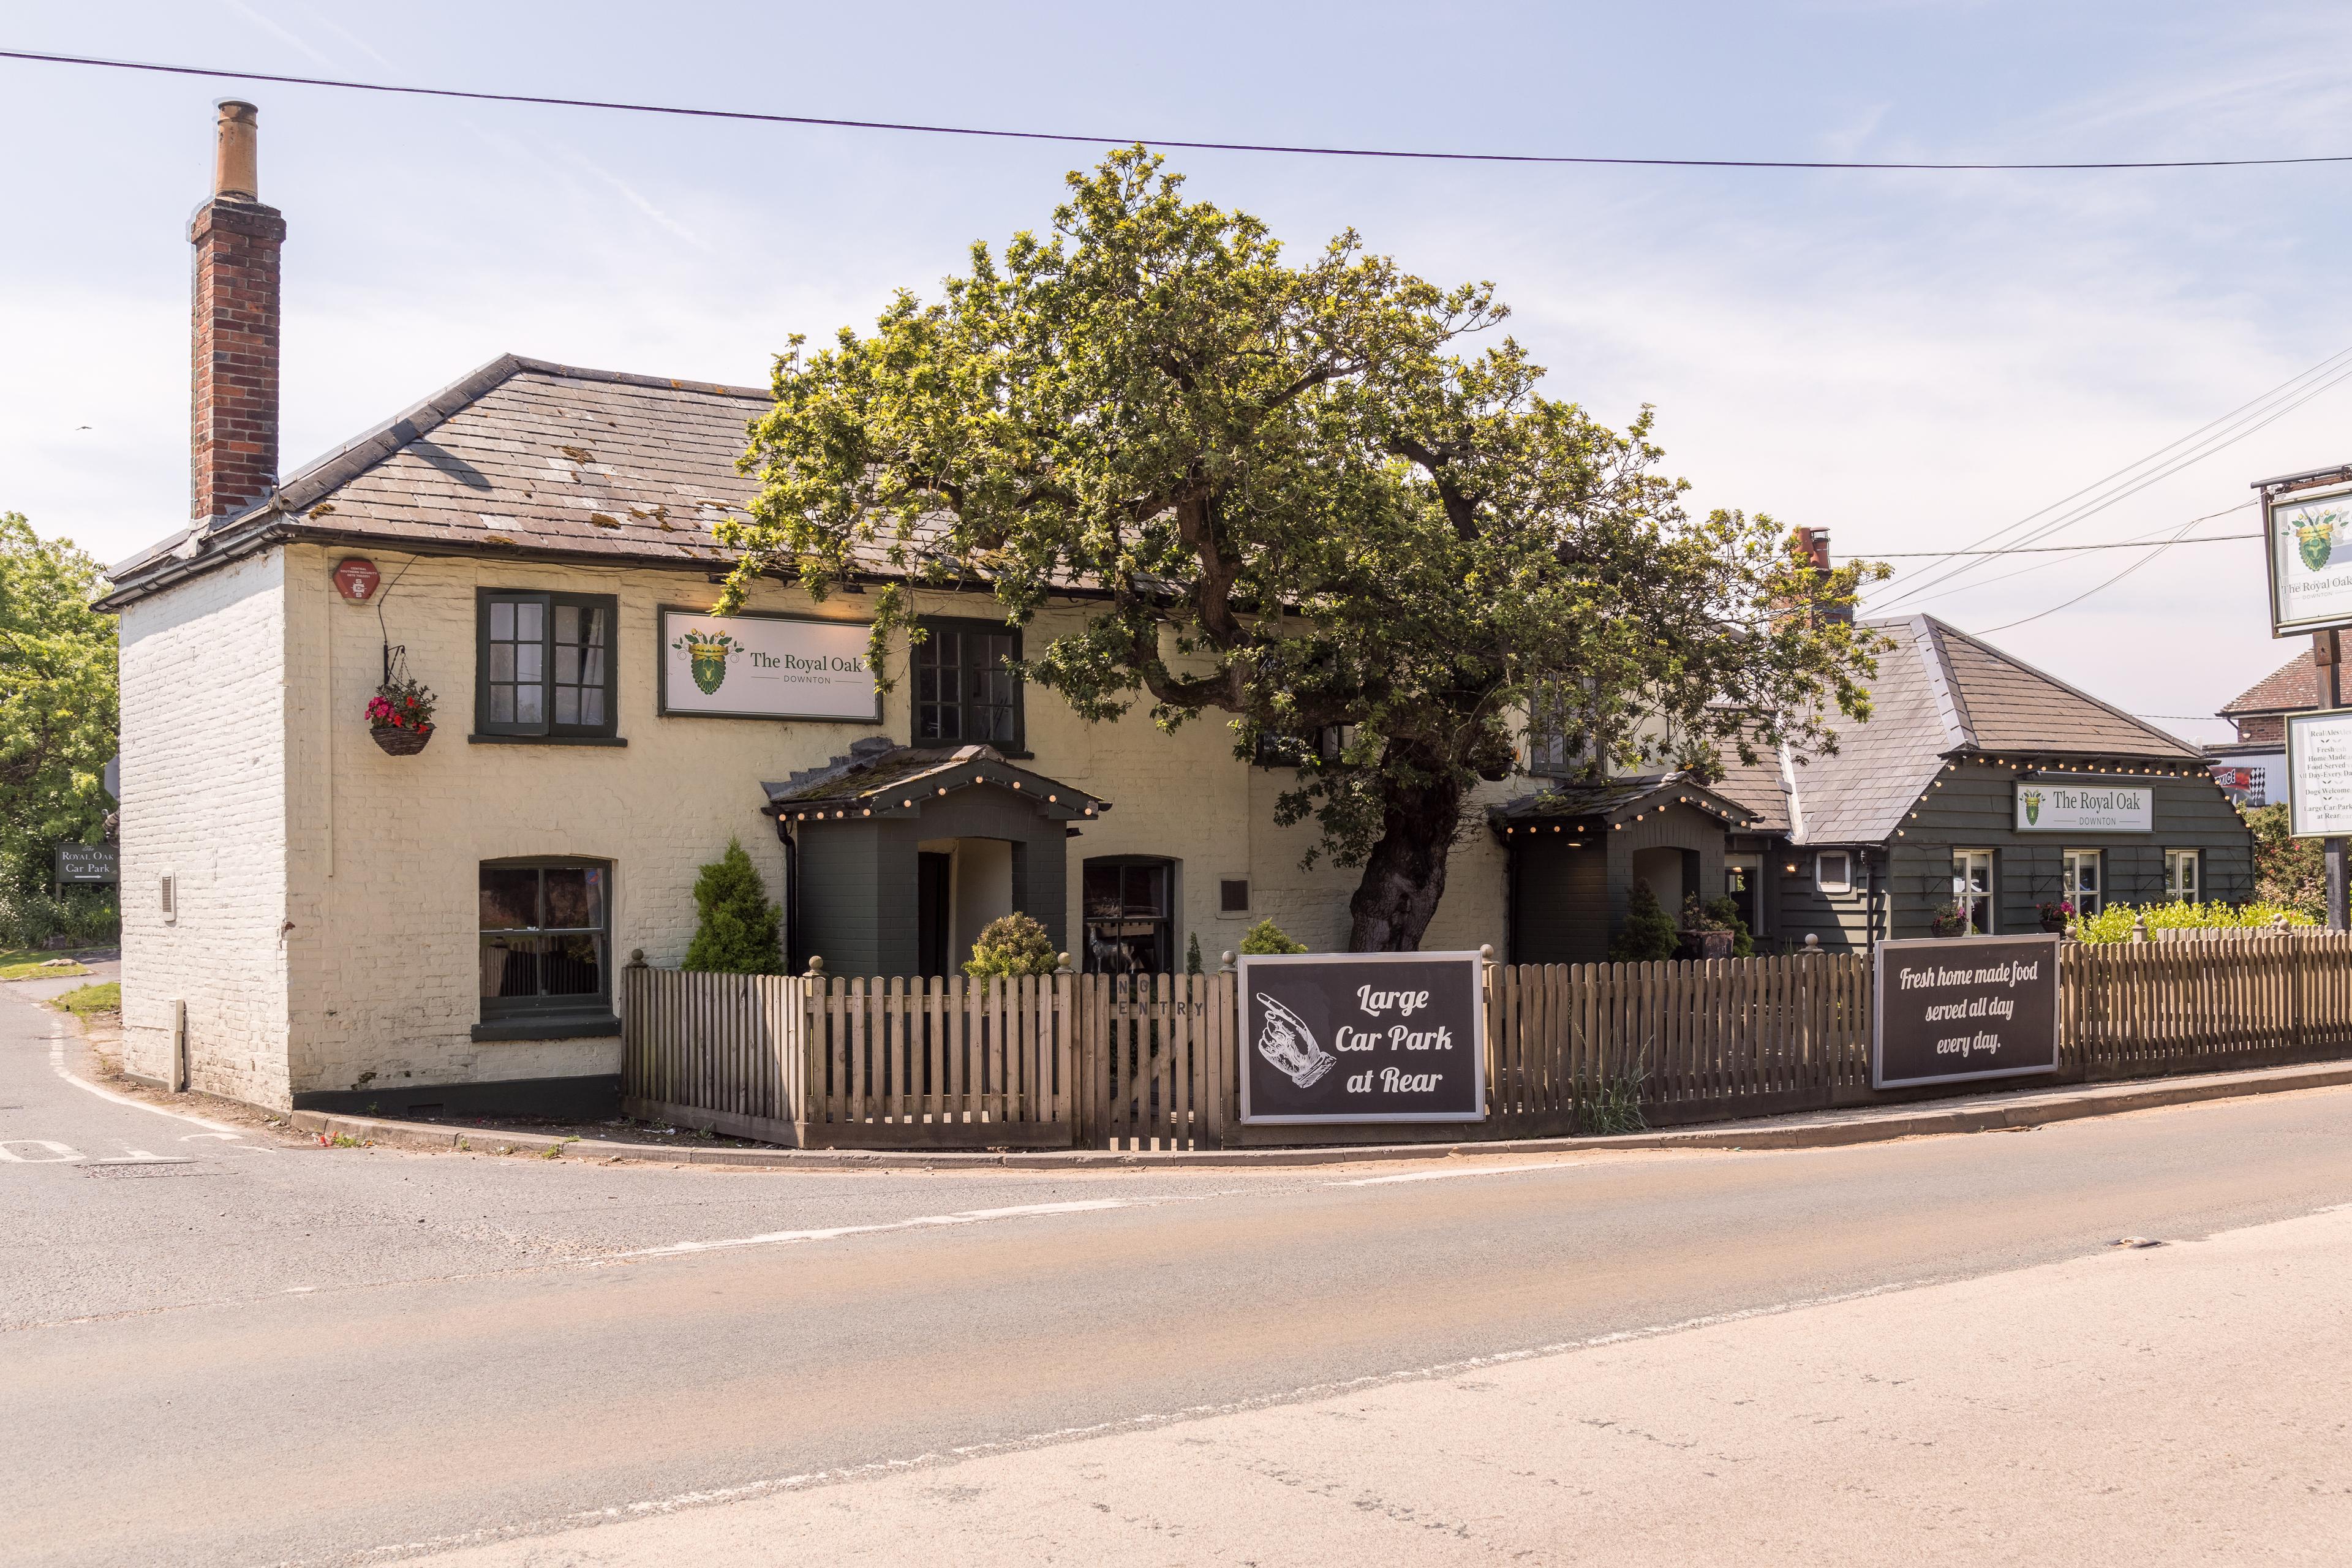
<point x="739" y="929"/>
<point x="57" y="701"/>
<point x="1013" y="944"/>
<point x="1305" y="511"/>
<point x="2289" y="872"/>
<point x="1648" y="934"/>
<point x="1193" y="954"/>
<point x="1268" y="937"/>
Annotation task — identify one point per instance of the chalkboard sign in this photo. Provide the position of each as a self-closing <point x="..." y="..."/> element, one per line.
<point x="87" y="863"/>
<point x="1955" y="1008"/>
<point x="1363" y="1036"/>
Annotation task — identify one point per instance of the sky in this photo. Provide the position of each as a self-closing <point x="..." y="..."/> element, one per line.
<point x="1911" y="359"/>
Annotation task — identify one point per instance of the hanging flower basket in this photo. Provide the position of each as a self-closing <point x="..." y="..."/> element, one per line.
<point x="399" y="740"/>
<point x="400" y="717"/>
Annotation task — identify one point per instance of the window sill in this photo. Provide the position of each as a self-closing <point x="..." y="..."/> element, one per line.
<point x="553" y="1026"/>
<point x="546" y="740"/>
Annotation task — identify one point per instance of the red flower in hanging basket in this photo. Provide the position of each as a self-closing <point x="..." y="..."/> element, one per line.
<point x="400" y="715"/>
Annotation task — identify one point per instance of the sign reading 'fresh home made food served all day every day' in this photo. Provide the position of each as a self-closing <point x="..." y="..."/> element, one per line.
<point x="1363" y="1037"/>
<point x="2310" y="549"/>
<point x="2043" y="807"/>
<point x="1964" y="1007"/>
<point x="766" y="667"/>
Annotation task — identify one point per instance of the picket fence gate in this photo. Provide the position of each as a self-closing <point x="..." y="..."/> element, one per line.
<point x="1113" y="1062"/>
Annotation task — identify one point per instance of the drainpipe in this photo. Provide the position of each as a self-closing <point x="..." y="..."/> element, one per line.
<point x="791" y="896"/>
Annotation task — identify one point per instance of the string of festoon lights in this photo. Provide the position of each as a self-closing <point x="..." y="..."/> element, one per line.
<point x="907" y="801"/>
<point x="2118" y="769"/>
<point x="1729" y="819"/>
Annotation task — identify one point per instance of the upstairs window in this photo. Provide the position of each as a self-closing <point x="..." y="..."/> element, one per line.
<point x="965" y="691"/>
<point x="547" y="663"/>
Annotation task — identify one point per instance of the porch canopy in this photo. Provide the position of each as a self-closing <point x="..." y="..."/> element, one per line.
<point x="904" y="852"/>
<point x="1578" y="848"/>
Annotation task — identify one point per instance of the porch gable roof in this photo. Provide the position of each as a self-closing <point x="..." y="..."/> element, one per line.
<point x="878" y="779"/>
<point x="1609" y="800"/>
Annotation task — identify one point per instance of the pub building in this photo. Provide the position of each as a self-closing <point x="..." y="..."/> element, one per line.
<point x="326" y="912"/>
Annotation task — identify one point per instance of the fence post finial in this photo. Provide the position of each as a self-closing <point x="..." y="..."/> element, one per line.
<point x="2139" y="927"/>
<point x="637" y="957"/>
<point x="815" y="968"/>
<point x="2279" y="920"/>
<point x="1225" y="962"/>
<point x="1062" y="965"/>
<point x="1487" y="953"/>
<point x="1812" y="941"/>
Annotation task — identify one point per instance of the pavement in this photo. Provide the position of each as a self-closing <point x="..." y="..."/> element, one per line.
<point x="252" y="1349"/>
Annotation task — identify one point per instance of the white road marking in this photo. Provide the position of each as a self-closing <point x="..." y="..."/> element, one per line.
<point x="833" y="1233"/>
<point x="57" y="1065"/>
<point x="1470" y="1171"/>
<point x="679" y="1501"/>
<point x="58" y="1153"/>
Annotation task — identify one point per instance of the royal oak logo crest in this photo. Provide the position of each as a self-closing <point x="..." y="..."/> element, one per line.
<point x="2032" y="806"/>
<point x="707" y="653"/>
<point x="2314" y="537"/>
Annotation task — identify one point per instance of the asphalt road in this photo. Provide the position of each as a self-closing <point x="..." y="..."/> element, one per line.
<point x="276" y="1352"/>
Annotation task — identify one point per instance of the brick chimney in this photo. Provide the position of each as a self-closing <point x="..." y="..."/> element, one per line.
<point x="1811" y="546"/>
<point x="233" y="447"/>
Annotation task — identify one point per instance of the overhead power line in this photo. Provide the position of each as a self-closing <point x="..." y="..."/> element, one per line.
<point x="2053" y="549"/>
<point x="1123" y="138"/>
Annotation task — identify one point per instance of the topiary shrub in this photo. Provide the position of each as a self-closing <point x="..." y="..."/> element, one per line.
<point x="1648" y="934"/>
<point x="1268" y="937"/>
<point x="1012" y="944"/>
<point x="739" y="929"/>
<point x="1193" y="954"/>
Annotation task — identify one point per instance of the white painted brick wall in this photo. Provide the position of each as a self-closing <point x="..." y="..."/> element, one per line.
<point x="204" y="798"/>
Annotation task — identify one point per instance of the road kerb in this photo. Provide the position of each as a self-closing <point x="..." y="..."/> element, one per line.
<point x="1803" y="1131"/>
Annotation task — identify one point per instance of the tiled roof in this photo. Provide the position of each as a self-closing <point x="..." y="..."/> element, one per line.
<point x="1938" y="691"/>
<point x="1763" y="789"/>
<point x="878" y="779"/>
<point x="1608" y="799"/>
<point x="2291" y="688"/>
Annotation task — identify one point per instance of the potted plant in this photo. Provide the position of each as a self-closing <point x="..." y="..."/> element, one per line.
<point x="2055" y="916"/>
<point x="400" y="717"/>
<point x="1949" y="920"/>
<point x="1704" y="934"/>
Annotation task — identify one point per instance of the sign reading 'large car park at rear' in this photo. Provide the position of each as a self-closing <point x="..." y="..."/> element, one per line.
<point x="1953" y="1009"/>
<point x="1363" y="1036"/>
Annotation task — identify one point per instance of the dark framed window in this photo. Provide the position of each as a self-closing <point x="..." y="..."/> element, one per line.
<point x="965" y="690"/>
<point x="546" y="935"/>
<point x="1233" y="896"/>
<point x="546" y="664"/>
<point x="1129" y="903"/>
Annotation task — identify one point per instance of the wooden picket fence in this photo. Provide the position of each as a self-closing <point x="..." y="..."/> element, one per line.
<point x="1108" y="1062"/>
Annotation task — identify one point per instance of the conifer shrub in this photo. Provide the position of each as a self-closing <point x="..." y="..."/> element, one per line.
<point x="1648" y="934"/>
<point x="739" y="929"/>
<point x="1012" y="944"/>
<point x="1193" y="954"/>
<point x="1268" y="937"/>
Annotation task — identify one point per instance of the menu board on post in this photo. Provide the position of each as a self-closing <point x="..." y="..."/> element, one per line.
<point x="759" y="666"/>
<point x="2309" y="545"/>
<point x="1363" y="1036"/>
<point x="1947" y="1009"/>
<point x="2319" y="773"/>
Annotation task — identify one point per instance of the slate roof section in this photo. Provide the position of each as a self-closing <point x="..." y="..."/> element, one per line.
<point x="1615" y="800"/>
<point x="1940" y="692"/>
<point x="878" y="779"/>
<point x="2290" y="688"/>
<point x="1763" y="790"/>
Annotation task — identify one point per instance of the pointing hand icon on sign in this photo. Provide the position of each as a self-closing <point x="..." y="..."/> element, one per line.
<point x="1289" y="1045"/>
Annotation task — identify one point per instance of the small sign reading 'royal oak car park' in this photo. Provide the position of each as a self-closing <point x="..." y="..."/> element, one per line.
<point x="1363" y="1036"/>
<point x="1964" y="1007"/>
<point x="87" y="863"/>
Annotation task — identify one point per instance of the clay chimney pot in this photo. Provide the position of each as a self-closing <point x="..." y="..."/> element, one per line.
<point x="236" y="160"/>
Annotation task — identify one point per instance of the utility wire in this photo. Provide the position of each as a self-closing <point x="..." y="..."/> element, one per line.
<point x="2053" y="549"/>
<point x="1124" y="139"/>
<point x="2154" y="541"/>
<point x="2007" y="625"/>
<point x="2211" y="436"/>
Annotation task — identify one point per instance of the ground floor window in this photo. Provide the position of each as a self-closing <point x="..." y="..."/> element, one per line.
<point x="545" y="927"/>
<point x="2183" y="878"/>
<point x="1972" y="888"/>
<point x="2083" y="883"/>
<point x="1129" y="915"/>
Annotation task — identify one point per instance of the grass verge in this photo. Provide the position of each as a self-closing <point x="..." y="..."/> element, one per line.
<point x="28" y="963"/>
<point x="85" y="1000"/>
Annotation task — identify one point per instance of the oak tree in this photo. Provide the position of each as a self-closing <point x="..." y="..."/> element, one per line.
<point x="1295" y="495"/>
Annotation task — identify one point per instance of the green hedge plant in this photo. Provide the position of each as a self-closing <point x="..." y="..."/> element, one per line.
<point x="1010" y="945"/>
<point x="2114" y="924"/>
<point x="739" y="930"/>
<point x="1268" y="937"/>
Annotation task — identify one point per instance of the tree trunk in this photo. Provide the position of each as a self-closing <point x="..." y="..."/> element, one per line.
<point x="1405" y="876"/>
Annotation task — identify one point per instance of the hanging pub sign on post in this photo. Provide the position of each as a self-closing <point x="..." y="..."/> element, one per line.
<point x="2308" y="540"/>
<point x="1363" y="1036"/>
<point x="1949" y="1009"/>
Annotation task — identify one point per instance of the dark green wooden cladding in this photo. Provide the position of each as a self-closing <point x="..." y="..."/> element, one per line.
<point x="1973" y="807"/>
